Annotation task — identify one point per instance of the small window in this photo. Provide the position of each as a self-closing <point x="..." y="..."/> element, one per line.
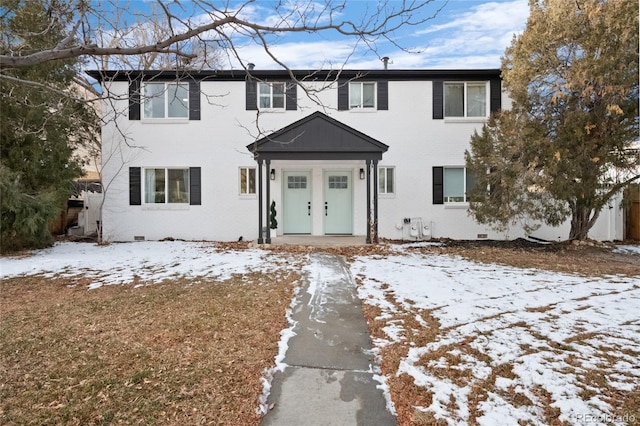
<point x="166" y="186"/>
<point x="465" y="99"/>
<point x="338" y="182"/>
<point x="457" y="184"/>
<point x="386" y="180"/>
<point x="247" y="180"/>
<point x="166" y="100"/>
<point x="297" y="182"/>
<point x="362" y="95"/>
<point x="271" y="95"/>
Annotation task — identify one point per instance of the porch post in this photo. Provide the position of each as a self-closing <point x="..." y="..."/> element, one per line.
<point x="375" y="201"/>
<point x="368" y="241"/>
<point x="268" y="203"/>
<point x="260" y="240"/>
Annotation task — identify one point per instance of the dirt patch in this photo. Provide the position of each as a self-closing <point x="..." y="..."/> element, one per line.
<point x="178" y="352"/>
<point x="590" y="259"/>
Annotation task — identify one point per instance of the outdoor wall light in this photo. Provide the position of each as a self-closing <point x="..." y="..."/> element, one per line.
<point x="273" y="174"/>
<point x="361" y="174"/>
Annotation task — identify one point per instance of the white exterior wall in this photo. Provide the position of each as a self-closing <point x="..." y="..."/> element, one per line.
<point x="217" y="143"/>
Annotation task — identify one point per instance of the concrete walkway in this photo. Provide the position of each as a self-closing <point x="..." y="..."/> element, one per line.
<point x="329" y="375"/>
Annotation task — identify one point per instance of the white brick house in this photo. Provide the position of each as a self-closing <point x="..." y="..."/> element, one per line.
<point x="200" y="156"/>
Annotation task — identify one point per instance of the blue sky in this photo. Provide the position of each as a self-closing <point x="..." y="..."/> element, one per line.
<point x="465" y="34"/>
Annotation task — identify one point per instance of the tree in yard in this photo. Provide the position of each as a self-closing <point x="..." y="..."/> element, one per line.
<point x="565" y="147"/>
<point x="39" y="129"/>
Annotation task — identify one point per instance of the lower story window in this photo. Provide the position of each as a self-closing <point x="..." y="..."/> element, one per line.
<point x="166" y="186"/>
<point x="247" y="180"/>
<point x="386" y="180"/>
<point x="457" y="184"/>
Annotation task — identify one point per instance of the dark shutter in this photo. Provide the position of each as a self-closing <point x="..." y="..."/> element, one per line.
<point x="195" y="193"/>
<point x="291" y="95"/>
<point x="495" y="95"/>
<point x="438" y="100"/>
<point x="251" y="95"/>
<point x="343" y="95"/>
<point x="383" y="95"/>
<point x="135" y="187"/>
<point x="134" y="99"/>
<point x="438" y="185"/>
<point x="194" y="100"/>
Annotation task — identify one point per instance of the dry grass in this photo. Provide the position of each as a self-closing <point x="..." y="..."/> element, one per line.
<point x="174" y="353"/>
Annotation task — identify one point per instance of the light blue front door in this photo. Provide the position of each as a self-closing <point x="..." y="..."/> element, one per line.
<point x="337" y="207"/>
<point x="297" y="202"/>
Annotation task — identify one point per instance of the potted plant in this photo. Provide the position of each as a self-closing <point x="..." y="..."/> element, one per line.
<point x="273" y="224"/>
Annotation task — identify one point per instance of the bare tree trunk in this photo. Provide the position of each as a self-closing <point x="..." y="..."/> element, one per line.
<point x="582" y="221"/>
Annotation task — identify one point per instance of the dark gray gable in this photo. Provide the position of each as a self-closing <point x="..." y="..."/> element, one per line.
<point x="318" y="137"/>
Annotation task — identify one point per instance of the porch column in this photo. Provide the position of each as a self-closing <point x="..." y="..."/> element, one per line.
<point x="375" y="201"/>
<point x="260" y="240"/>
<point x="268" y="204"/>
<point x="368" y="241"/>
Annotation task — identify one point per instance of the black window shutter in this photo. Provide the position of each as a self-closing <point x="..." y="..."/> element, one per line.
<point x="135" y="187"/>
<point x="438" y="100"/>
<point x="383" y="95"/>
<point x="134" y="99"/>
<point x="495" y="95"/>
<point x="194" y="100"/>
<point x="291" y="95"/>
<point x="251" y="95"/>
<point x="438" y="185"/>
<point x="343" y="95"/>
<point x="195" y="193"/>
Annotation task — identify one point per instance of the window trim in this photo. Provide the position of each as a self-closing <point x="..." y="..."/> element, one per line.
<point x="166" y="203"/>
<point x="465" y="97"/>
<point x="165" y="94"/>
<point x="387" y="193"/>
<point x="248" y="180"/>
<point x="361" y="107"/>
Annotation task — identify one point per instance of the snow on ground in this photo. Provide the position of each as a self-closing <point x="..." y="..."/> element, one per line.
<point x="627" y="249"/>
<point x="144" y="261"/>
<point x="531" y="338"/>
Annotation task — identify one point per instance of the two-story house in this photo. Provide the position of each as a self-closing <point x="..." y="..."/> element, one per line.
<point x="378" y="153"/>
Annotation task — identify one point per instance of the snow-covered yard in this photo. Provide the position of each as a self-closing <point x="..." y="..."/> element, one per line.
<point x="512" y="343"/>
<point x="508" y="345"/>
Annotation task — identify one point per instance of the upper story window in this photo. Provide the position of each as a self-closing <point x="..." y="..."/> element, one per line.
<point x="166" y="186"/>
<point x="386" y="180"/>
<point x="457" y="183"/>
<point x="465" y="99"/>
<point x="271" y="95"/>
<point x="165" y="100"/>
<point x="362" y="95"/>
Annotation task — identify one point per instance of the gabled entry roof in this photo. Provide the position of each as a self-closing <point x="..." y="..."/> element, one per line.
<point x="317" y="137"/>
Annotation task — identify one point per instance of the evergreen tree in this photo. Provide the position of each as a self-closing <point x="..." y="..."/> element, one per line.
<point x="39" y="128"/>
<point x="563" y="151"/>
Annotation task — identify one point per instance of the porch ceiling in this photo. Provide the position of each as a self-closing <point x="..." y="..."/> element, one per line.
<point x="317" y="137"/>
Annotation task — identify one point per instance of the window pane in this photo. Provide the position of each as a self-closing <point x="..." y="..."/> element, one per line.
<point x="178" y="185"/>
<point x="453" y="185"/>
<point x="278" y="95"/>
<point x="454" y="100"/>
<point x="265" y="95"/>
<point x="390" y="184"/>
<point x="153" y="100"/>
<point x="178" y="97"/>
<point x="355" y="95"/>
<point x="476" y="100"/>
<point x="252" y="181"/>
<point x="368" y="95"/>
<point x="154" y="186"/>
<point x="470" y="184"/>
<point x="382" y="181"/>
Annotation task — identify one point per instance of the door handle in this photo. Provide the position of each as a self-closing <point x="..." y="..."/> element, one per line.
<point x="326" y="208"/>
<point x="309" y="208"/>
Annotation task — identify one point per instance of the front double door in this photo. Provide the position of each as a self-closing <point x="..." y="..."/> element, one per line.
<point x="336" y="206"/>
